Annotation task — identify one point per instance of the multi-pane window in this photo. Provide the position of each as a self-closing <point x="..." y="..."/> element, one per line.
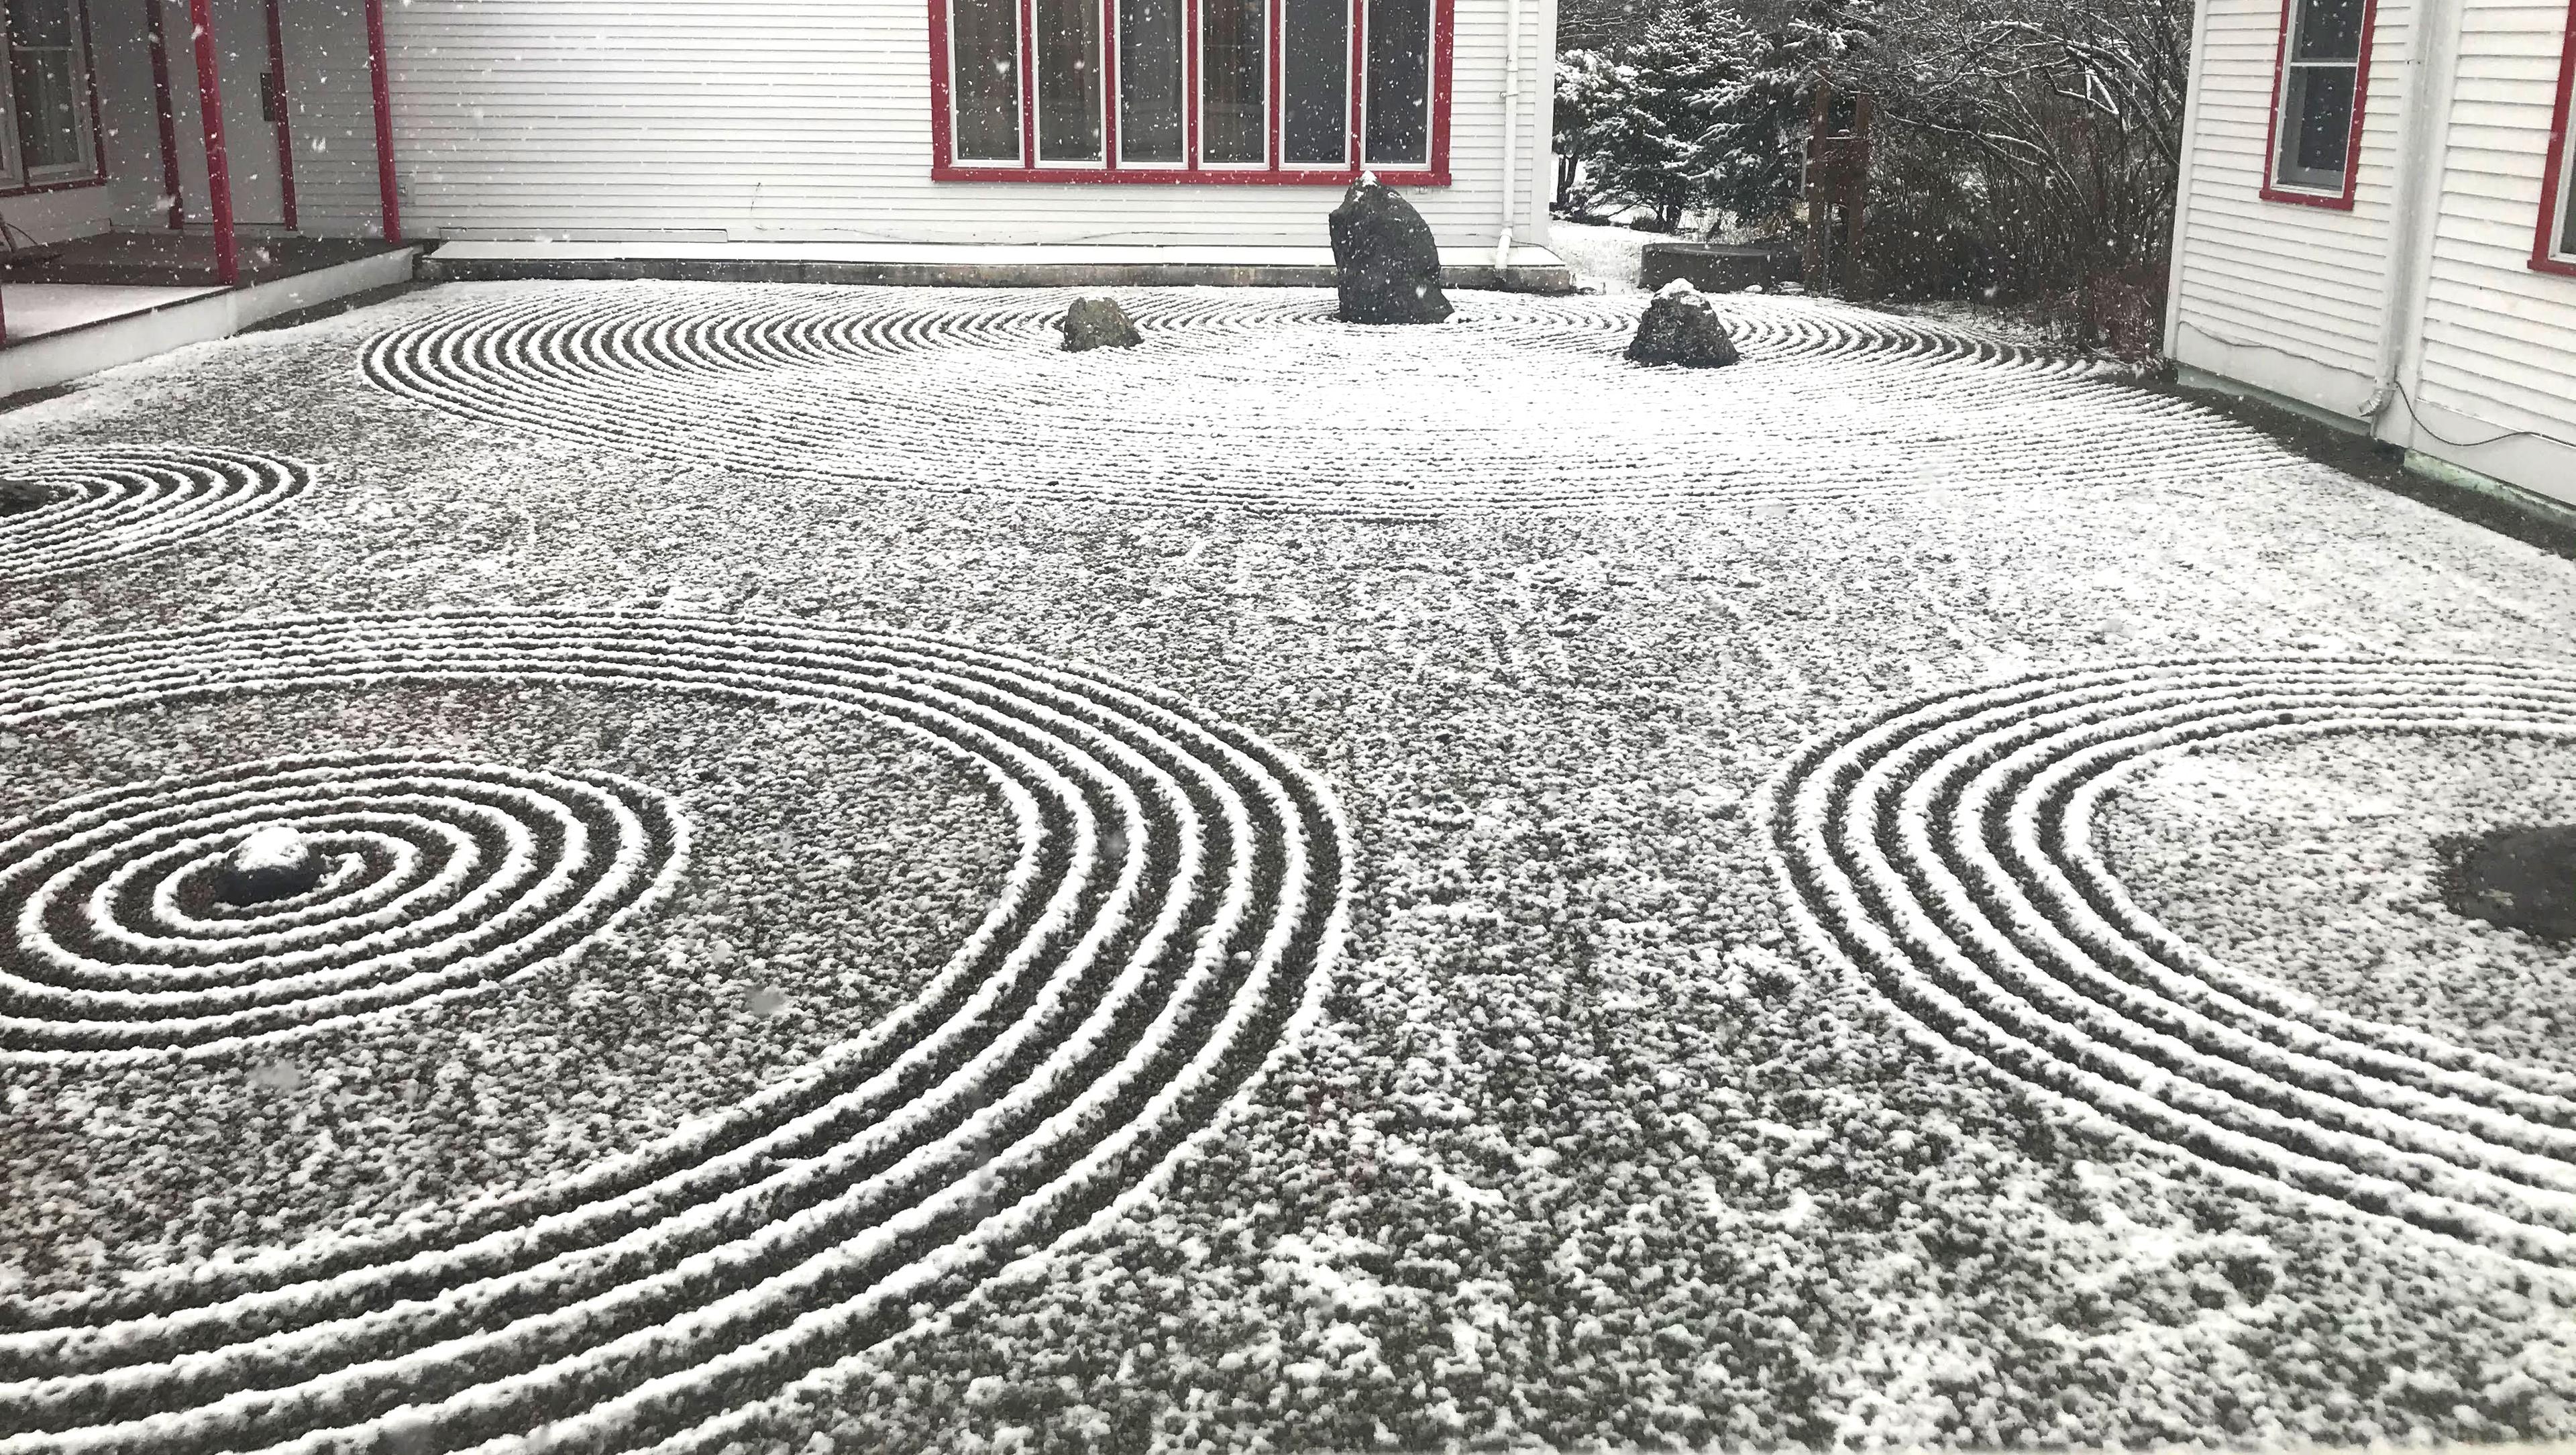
<point x="1299" y="88"/>
<point x="2319" y="105"/>
<point x="49" y="137"/>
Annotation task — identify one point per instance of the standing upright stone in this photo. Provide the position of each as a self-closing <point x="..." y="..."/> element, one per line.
<point x="1098" y="323"/>
<point x="1681" y="327"/>
<point x="1389" y="262"/>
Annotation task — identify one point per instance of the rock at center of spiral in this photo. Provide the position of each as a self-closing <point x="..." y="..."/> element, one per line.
<point x="273" y="864"/>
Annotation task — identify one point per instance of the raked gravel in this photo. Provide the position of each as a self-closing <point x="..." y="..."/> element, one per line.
<point x="1590" y="1135"/>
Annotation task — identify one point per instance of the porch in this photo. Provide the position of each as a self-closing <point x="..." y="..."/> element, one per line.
<point x="159" y="155"/>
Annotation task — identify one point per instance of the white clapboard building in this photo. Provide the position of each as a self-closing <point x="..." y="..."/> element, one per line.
<point x="225" y="141"/>
<point x="2377" y="224"/>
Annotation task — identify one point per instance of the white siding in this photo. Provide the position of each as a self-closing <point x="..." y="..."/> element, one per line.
<point x="2276" y="294"/>
<point x="2499" y="343"/>
<point x="809" y="120"/>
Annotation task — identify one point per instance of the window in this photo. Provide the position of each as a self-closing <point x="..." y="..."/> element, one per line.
<point x="52" y="137"/>
<point x="2318" y="99"/>
<point x="2555" y="249"/>
<point x="1203" y="90"/>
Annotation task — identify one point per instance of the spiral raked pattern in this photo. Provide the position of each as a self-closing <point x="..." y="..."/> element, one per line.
<point x="439" y="876"/>
<point x="1176" y="903"/>
<point x="1946" y="851"/>
<point x="112" y="504"/>
<point x="1260" y="399"/>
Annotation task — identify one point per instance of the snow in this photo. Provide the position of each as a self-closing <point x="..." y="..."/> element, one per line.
<point x="1311" y="888"/>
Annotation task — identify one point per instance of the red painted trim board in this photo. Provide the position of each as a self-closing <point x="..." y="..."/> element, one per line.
<point x="210" y="109"/>
<point x="387" y="184"/>
<point x="285" y="135"/>
<point x="158" y="44"/>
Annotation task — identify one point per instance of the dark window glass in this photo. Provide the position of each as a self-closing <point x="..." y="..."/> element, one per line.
<point x="984" y="67"/>
<point x="1068" y="52"/>
<point x="45" y="73"/>
<point x="2329" y="30"/>
<point x="1232" y="120"/>
<point x="1399" y="81"/>
<point x="2317" y="123"/>
<point x="1315" y="45"/>
<point x="2567" y="210"/>
<point x="1149" y="80"/>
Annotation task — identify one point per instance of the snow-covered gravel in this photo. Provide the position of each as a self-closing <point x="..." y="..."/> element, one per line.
<point x="1511" y="897"/>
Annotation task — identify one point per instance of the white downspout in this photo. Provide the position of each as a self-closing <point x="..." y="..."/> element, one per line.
<point x="1511" y="133"/>
<point x="2424" y="143"/>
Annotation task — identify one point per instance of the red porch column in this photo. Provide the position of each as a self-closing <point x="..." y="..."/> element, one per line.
<point x="219" y="181"/>
<point x="384" y="119"/>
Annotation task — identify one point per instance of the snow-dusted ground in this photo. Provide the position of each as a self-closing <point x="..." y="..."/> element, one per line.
<point x="1882" y="894"/>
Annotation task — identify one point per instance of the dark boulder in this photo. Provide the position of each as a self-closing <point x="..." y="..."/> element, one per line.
<point x="1098" y="323"/>
<point x="1681" y="327"/>
<point x="1389" y="262"/>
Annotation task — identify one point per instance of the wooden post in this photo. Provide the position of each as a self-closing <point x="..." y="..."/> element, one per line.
<point x="385" y="183"/>
<point x="219" y="182"/>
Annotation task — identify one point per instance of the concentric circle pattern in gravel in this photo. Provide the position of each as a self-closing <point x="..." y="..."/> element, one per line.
<point x="1175" y="910"/>
<point x="115" y="503"/>
<point x="1261" y="399"/>
<point x="439" y="875"/>
<point x="1948" y="850"/>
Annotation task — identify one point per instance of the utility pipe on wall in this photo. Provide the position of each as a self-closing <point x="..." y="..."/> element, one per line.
<point x="1511" y="132"/>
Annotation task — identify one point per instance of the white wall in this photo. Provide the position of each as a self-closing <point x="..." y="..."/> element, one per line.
<point x="809" y="120"/>
<point x="2499" y="340"/>
<point x="2276" y="294"/>
<point x="2337" y="310"/>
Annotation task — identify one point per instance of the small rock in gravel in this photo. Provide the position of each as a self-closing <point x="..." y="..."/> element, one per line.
<point x="1681" y="327"/>
<point x="274" y="863"/>
<point x="1389" y="261"/>
<point x="18" y="496"/>
<point x="1098" y="323"/>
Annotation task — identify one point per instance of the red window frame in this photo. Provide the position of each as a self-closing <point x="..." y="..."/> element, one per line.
<point x="2273" y="191"/>
<point x="97" y="132"/>
<point x="944" y="166"/>
<point x="2545" y="257"/>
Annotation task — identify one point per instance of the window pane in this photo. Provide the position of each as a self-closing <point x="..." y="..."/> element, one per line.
<point x="2567" y="214"/>
<point x="1068" y="48"/>
<point x="2329" y="30"/>
<point x="41" y="23"/>
<point x="49" y="107"/>
<point x="985" y="64"/>
<point x="1315" y="44"/>
<point x="1232" y="125"/>
<point x="1399" y="81"/>
<point x="2317" y="126"/>
<point x="45" y="73"/>
<point x="1149" y="80"/>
